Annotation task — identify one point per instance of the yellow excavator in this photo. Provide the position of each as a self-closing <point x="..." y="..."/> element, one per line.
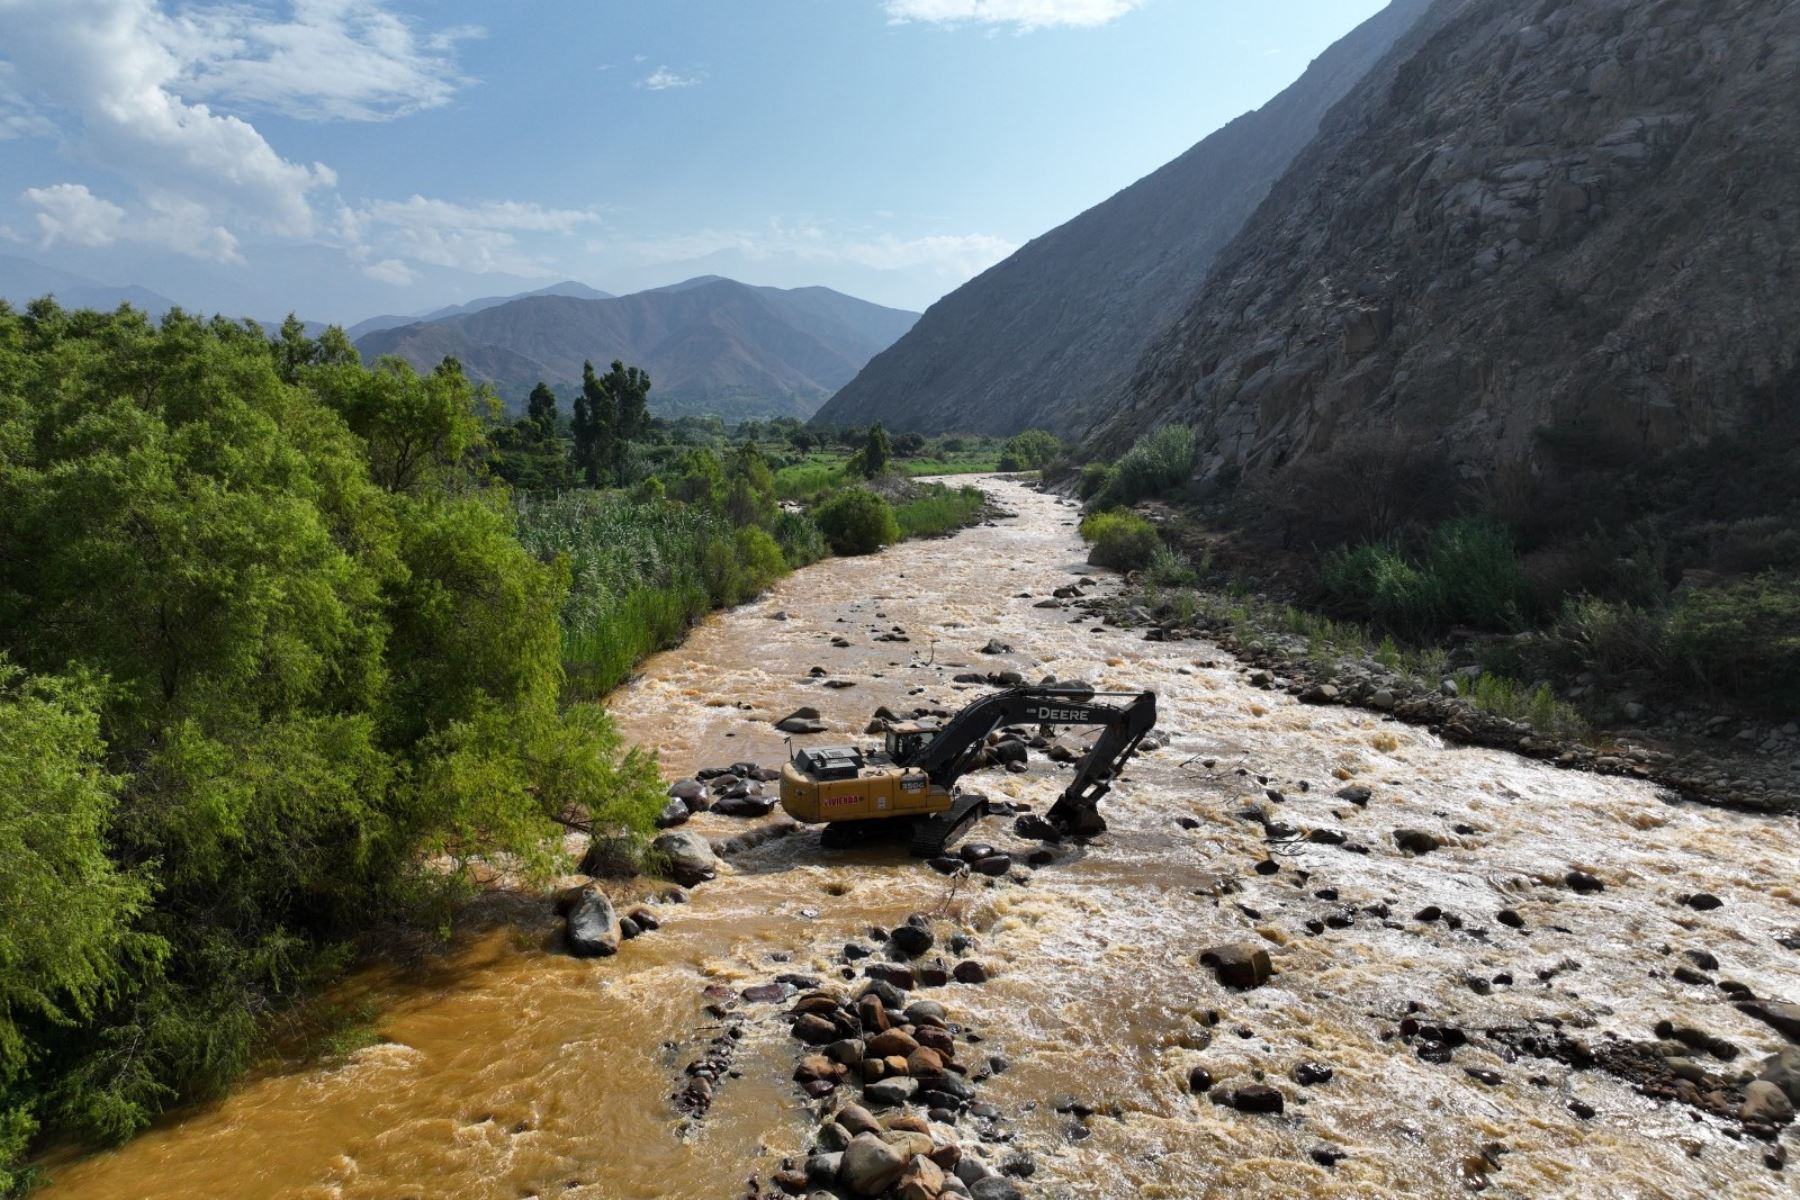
<point x="913" y="776"/>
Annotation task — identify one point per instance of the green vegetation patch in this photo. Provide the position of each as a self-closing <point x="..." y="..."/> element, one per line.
<point x="1122" y="541"/>
<point x="940" y="510"/>
<point x="276" y="666"/>
<point x="857" y="521"/>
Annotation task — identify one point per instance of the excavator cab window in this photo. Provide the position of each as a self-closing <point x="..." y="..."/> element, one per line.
<point x="904" y="741"/>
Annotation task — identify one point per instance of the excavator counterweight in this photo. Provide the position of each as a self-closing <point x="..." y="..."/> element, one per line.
<point x="915" y="773"/>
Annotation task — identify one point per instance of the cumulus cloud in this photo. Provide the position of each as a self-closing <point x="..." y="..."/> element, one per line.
<point x="109" y="70"/>
<point x="662" y="79"/>
<point x="483" y="238"/>
<point x="69" y="212"/>
<point x="131" y="86"/>
<point x="1022" y="14"/>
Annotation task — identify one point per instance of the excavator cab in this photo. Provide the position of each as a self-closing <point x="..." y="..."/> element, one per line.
<point x="905" y="739"/>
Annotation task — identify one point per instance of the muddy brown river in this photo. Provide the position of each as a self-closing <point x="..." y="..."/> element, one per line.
<point x="509" y="1070"/>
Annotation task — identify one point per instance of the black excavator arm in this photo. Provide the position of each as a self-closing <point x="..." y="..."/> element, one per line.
<point x="949" y="755"/>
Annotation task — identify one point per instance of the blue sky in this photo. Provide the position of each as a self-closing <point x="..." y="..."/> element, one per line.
<point x="348" y="157"/>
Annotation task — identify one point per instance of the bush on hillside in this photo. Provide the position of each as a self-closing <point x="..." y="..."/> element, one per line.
<point x="1158" y="466"/>
<point x="1096" y="479"/>
<point x="1469" y="573"/>
<point x="1170" y="568"/>
<point x="857" y="521"/>
<point x="1743" y="639"/>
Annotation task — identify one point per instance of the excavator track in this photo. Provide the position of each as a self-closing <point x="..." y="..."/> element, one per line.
<point x="931" y="836"/>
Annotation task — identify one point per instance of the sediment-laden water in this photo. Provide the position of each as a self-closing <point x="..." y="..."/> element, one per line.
<point x="510" y="1070"/>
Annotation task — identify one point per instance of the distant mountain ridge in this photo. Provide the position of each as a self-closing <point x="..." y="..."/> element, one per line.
<point x="22" y="281"/>
<point x="1037" y="339"/>
<point x="711" y="345"/>
<point x="567" y="287"/>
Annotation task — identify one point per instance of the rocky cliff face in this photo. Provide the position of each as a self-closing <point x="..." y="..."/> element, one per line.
<point x="1566" y="214"/>
<point x="1036" y="340"/>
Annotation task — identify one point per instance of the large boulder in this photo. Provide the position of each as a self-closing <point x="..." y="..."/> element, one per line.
<point x="1783" y="1070"/>
<point x="592" y="930"/>
<point x="870" y="1166"/>
<point x="1416" y="841"/>
<point x="857" y="1119"/>
<point x="804" y="719"/>
<point x="911" y="940"/>
<point x="1779" y="1015"/>
<point x="690" y="858"/>
<point x="745" y="806"/>
<point x="891" y="1093"/>
<point x="1765" y="1104"/>
<point x="1239" y="964"/>
<point x="922" y="1180"/>
<point x="674" y="813"/>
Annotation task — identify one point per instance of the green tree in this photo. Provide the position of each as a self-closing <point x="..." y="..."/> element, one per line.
<point x="750" y="488"/>
<point x="701" y="481"/>
<point x="293" y="349"/>
<point x="419" y="431"/>
<point x="66" y="943"/>
<point x="876" y="451"/>
<point x="540" y="410"/>
<point x="629" y="388"/>
<point x="595" y="427"/>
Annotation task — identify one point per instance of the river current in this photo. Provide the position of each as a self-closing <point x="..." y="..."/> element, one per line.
<point x="510" y="1070"/>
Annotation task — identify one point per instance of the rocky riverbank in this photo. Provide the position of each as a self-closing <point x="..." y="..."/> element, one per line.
<point x="1712" y="768"/>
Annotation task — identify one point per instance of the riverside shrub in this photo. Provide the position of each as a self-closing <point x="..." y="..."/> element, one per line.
<point x="857" y="521"/>
<point x="1121" y="540"/>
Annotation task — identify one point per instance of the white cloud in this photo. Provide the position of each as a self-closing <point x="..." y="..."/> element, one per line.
<point x="391" y="270"/>
<point x="1024" y="14"/>
<point x="108" y="70"/>
<point x="129" y="86"/>
<point x="349" y="60"/>
<point x="662" y="79"/>
<point x="482" y="238"/>
<point x="948" y="256"/>
<point x="68" y="212"/>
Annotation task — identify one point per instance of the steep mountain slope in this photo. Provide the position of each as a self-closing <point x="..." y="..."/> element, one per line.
<point x="1573" y="218"/>
<point x="711" y="346"/>
<point x="1035" y="339"/>
<point x="568" y="287"/>
<point x="22" y="281"/>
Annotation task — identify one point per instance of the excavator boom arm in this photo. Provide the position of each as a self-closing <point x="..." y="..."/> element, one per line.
<point x="949" y="755"/>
